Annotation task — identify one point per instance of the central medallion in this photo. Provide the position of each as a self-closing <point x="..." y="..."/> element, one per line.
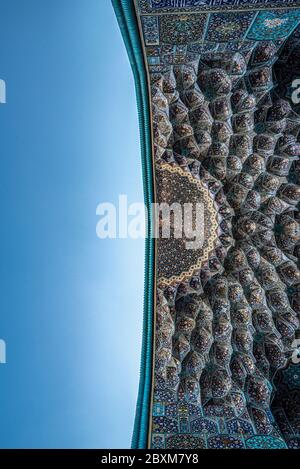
<point x="188" y="206"/>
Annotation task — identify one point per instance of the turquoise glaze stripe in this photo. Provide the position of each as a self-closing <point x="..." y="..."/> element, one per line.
<point x="126" y="16"/>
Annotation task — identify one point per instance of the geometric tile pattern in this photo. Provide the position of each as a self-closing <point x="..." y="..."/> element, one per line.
<point x="148" y="6"/>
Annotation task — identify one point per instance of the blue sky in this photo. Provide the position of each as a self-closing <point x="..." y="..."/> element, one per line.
<point x="71" y="304"/>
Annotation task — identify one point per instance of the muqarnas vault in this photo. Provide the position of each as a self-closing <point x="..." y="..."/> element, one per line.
<point x="216" y="84"/>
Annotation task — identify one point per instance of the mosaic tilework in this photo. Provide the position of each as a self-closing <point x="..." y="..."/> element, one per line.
<point x="221" y="116"/>
<point x="224" y="27"/>
<point x="286" y="404"/>
<point x="274" y="25"/>
<point x="265" y="442"/>
<point x="150" y="30"/>
<point x="181" y="29"/>
<point x="219" y="27"/>
<point x="225" y="441"/>
<point x="174" y="185"/>
<point x="147" y="6"/>
<point x="181" y="37"/>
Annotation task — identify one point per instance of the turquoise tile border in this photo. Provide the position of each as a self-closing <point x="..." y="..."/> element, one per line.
<point x="126" y="17"/>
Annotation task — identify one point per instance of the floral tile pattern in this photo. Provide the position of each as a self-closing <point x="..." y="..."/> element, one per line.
<point x="224" y="27"/>
<point x="274" y="25"/>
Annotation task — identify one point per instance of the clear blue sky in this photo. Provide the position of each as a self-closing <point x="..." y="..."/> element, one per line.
<point x="71" y="304"/>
